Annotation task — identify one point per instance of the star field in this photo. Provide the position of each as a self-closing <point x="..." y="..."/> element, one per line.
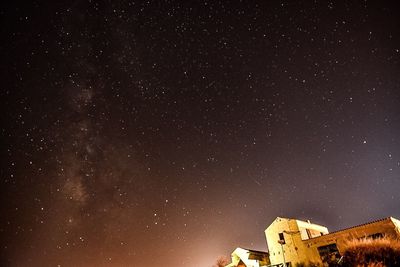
<point x="167" y="133"/>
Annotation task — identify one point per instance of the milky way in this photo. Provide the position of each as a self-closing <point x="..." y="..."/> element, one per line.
<point x="167" y="133"/>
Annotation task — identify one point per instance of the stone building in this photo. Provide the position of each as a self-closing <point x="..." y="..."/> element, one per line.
<point x="293" y="241"/>
<point x="285" y="240"/>
<point x="249" y="258"/>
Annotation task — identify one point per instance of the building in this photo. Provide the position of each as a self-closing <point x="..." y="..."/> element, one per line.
<point x="285" y="240"/>
<point x="329" y="248"/>
<point x="249" y="258"/>
<point x="294" y="242"/>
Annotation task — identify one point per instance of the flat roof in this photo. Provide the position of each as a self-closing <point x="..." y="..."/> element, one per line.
<point x="356" y="226"/>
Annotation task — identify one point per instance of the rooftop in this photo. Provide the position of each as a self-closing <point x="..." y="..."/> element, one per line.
<point x="356" y="226"/>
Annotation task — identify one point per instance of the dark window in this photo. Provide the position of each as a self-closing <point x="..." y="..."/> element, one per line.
<point x="329" y="254"/>
<point x="375" y="236"/>
<point x="281" y="238"/>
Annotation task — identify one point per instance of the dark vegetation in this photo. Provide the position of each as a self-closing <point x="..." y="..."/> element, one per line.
<point x="372" y="252"/>
<point x="221" y="262"/>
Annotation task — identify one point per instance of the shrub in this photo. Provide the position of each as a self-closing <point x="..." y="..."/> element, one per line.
<point x="307" y="264"/>
<point x="372" y="252"/>
<point x="221" y="262"/>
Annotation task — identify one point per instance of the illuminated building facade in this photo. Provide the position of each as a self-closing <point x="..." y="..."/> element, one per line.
<point x="293" y="241"/>
<point x="249" y="258"/>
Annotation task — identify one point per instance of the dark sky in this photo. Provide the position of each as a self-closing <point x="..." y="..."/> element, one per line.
<point x="167" y="133"/>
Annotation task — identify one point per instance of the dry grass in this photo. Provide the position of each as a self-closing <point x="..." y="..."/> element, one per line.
<point x="372" y="252"/>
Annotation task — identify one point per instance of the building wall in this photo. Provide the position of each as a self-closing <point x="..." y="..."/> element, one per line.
<point x="293" y="231"/>
<point x="385" y="227"/>
<point x="305" y="242"/>
<point x="397" y="225"/>
<point x="248" y="258"/>
<point x="241" y="264"/>
<point x="310" y="230"/>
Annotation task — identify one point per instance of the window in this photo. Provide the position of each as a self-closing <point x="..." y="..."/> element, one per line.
<point x="329" y="254"/>
<point x="375" y="236"/>
<point x="281" y="239"/>
<point x="327" y="249"/>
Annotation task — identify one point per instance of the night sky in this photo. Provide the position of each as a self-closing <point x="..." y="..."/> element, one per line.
<point x="167" y="133"/>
